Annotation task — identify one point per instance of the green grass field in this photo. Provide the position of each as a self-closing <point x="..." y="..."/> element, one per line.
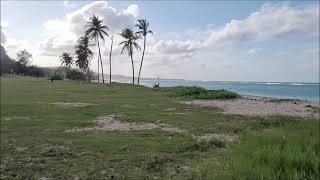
<point x="35" y="144"/>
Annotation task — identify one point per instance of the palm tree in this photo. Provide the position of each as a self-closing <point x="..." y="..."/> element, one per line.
<point x="66" y="59"/>
<point x="143" y="30"/>
<point x="95" y="30"/>
<point x="83" y="53"/>
<point x="128" y="44"/>
<point x="110" y="58"/>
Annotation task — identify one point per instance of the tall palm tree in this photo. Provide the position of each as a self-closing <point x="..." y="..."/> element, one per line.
<point x="143" y="30"/>
<point x="83" y="53"/>
<point x="66" y="59"/>
<point x="129" y="43"/>
<point x="95" y="30"/>
<point x="110" y="58"/>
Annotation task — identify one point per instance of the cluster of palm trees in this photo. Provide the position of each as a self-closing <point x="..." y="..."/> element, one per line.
<point x="95" y="30"/>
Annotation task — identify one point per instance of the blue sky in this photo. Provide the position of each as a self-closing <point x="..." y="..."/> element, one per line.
<point x="200" y="40"/>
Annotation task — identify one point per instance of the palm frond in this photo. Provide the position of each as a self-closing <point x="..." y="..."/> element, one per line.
<point x="104" y="27"/>
<point x="136" y="45"/>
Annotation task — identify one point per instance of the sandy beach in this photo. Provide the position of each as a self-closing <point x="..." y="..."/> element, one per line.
<point x="262" y="106"/>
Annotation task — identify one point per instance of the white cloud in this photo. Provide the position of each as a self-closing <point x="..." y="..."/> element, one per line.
<point x="176" y="56"/>
<point x="63" y="33"/>
<point x="55" y="26"/>
<point x="254" y="51"/>
<point x="313" y="51"/>
<point x="3" y="36"/>
<point x="270" y="21"/>
<point x="12" y="45"/>
<point x="68" y="5"/>
<point x="4" y="23"/>
<point x="175" y="46"/>
<point x="267" y="23"/>
<point x="132" y="10"/>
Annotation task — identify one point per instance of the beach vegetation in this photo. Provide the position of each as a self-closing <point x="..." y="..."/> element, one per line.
<point x="194" y="92"/>
<point x="129" y="44"/>
<point x="66" y="59"/>
<point x="75" y="75"/>
<point x="96" y="30"/>
<point x="143" y="30"/>
<point x="36" y="141"/>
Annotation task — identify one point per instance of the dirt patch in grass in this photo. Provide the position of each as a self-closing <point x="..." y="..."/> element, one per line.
<point x="173" y="111"/>
<point x="112" y="123"/>
<point x="67" y="104"/>
<point x="261" y="106"/>
<point x="72" y="104"/>
<point x="170" y="109"/>
<point x="16" y="117"/>
<point x="221" y="137"/>
<point x="126" y="106"/>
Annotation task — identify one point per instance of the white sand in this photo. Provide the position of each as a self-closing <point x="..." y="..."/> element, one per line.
<point x="261" y="106"/>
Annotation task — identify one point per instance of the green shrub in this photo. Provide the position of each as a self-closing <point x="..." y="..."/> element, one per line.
<point x="205" y="145"/>
<point x="34" y="71"/>
<point x="57" y="77"/>
<point x="194" y="92"/>
<point x="75" y="75"/>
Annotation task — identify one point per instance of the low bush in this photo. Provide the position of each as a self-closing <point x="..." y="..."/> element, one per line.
<point x="205" y="145"/>
<point x="34" y="71"/>
<point x="194" y="92"/>
<point x="75" y="75"/>
<point x="57" y="77"/>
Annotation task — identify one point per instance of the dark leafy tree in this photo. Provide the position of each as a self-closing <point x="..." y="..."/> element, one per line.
<point x="95" y="30"/>
<point x="142" y="25"/>
<point x="83" y="53"/>
<point x="24" y="57"/>
<point x="129" y="44"/>
<point x="66" y="59"/>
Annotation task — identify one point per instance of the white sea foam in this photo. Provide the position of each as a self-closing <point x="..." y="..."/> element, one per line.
<point x="273" y="83"/>
<point x="296" y="84"/>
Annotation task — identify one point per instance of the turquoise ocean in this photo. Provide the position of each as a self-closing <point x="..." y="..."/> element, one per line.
<point x="285" y="90"/>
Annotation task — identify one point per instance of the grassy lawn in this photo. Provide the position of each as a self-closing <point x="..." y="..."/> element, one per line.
<point x="35" y="144"/>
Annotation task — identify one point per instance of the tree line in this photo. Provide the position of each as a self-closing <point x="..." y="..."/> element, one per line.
<point x="21" y="65"/>
<point x="96" y="31"/>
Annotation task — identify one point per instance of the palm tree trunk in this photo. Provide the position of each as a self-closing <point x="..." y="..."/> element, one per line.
<point x="132" y="68"/>
<point x="110" y="58"/>
<point x="88" y="74"/>
<point x="144" y="48"/>
<point x="98" y="70"/>
<point x="101" y="63"/>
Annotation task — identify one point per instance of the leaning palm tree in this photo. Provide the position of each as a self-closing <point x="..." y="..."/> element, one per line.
<point x="66" y="59"/>
<point x="83" y="53"/>
<point x="129" y="43"/>
<point x="95" y="30"/>
<point x="143" y="30"/>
